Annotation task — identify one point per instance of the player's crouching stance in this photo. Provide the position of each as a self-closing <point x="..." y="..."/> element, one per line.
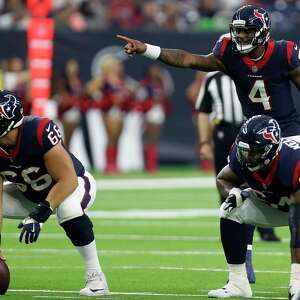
<point x="270" y="168"/>
<point x="43" y="179"/>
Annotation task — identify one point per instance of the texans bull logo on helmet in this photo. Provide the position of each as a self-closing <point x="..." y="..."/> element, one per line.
<point x="270" y="133"/>
<point x="7" y="109"/>
<point x="260" y="16"/>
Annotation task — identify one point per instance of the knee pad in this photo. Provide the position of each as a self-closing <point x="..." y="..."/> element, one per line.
<point x="79" y="230"/>
<point x="80" y="200"/>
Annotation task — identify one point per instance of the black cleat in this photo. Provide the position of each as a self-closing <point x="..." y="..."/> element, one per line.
<point x="268" y="234"/>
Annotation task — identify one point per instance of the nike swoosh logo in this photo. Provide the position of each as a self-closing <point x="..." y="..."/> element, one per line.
<point x="97" y="290"/>
<point x="48" y="128"/>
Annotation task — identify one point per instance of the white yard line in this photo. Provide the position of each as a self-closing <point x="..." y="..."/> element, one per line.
<point x="155" y="213"/>
<point x="199" y="223"/>
<point x="132" y="237"/>
<point x="156" y="183"/>
<point x="128" y="237"/>
<point x="273" y="272"/>
<point x="14" y="291"/>
<point x="26" y="252"/>
<point x="160" y="268"/>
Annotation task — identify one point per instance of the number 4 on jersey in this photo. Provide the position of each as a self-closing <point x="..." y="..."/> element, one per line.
<point x="258" y="94"/>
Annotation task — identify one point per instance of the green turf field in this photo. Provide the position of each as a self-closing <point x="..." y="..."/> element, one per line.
<point x="154" y="244"/>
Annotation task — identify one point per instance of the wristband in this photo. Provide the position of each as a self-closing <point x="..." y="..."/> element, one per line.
<point x="203" y="143"/>
<point x="41" y="212"/>
<point x="152" y="52"/>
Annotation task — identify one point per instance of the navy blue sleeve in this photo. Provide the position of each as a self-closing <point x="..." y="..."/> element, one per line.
<point x="48" y="135"/>
<point x="293" y="55"/>
<point x="220" y="47"/>
<point x="234" y="164"/>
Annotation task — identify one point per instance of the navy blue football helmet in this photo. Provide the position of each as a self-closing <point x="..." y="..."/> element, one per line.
<point x="11" y="112"/>
<point x="250" y="18"/>
<point x="258" y="142"/>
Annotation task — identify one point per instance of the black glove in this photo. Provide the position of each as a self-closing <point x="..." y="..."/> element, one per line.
<point x="31" y="226"/>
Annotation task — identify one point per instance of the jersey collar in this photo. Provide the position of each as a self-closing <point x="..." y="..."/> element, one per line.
<point x="257" y="65"/>
<point x="265" y="182"/>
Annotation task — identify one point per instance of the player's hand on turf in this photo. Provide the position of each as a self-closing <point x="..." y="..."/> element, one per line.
<point x="235" y="200"/>
<point x="132" y="46"/>
<point x="30" y="230"/>
<point x="230" y="203"/>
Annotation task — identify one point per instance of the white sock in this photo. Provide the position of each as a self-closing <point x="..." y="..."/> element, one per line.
<point x="295" y="274"/>
<point x="237" y="271"/>
<point x="90" y="257"/>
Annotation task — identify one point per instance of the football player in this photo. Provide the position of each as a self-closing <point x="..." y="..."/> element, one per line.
<point x="260" y="67"/>
<point x="270" y="168"/>
<point x="43" y="178"/>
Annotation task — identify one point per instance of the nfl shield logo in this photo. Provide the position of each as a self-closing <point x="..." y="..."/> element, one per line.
<point x="254" y="69"/>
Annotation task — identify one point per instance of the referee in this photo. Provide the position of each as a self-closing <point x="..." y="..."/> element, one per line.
<point x="219" y="119"/>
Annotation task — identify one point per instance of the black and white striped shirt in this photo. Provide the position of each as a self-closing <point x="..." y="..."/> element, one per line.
<point x="217" y="96"/>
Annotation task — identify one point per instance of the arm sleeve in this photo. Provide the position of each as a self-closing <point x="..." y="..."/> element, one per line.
<point x="293" y="55"/>
<point x="234" y="163"/>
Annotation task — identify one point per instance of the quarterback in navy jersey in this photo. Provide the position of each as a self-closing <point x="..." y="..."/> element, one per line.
<point x="261" y="184"/>
<point x="260" y="67"/>
<point x="38" y="178"/>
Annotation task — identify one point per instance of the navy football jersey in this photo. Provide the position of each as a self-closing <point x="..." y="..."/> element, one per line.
<point x="264" y="87"/>
<point x="24" y="165"/>
<point x="282" y="178"/>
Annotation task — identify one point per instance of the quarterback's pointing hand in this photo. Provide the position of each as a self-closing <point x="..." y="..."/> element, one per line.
<point x="132" y="46"/>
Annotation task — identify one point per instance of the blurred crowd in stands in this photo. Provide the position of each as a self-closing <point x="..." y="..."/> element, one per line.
<point x="152" y="15"/>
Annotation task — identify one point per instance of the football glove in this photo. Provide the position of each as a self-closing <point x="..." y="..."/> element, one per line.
<point x="235" y="199"/>
<point x="30" y="230"/>
<point x="31" y="226"/>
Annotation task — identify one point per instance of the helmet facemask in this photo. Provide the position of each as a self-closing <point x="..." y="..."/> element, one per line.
<point x="243" y="47"/>
<point x="7" y="125"/>
<point x="256" y="158"/>
<point x="258" y="142"/>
